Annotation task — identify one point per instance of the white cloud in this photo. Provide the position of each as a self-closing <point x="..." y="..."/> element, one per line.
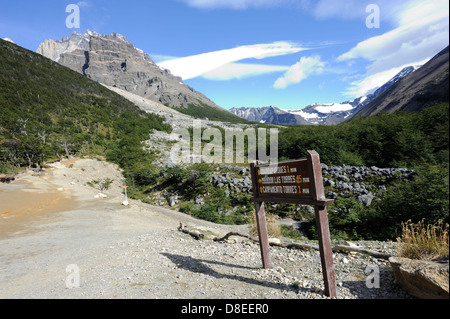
<point x="234" y="4"/>
<point x="83" y="4"/>
<point x="372" y="82"/>
<point x="422" y="31"/>
<point x="304" y="68"/>
<point x="159" y="58"/>
<point x="356" y="9"/>
<point x="242" y="70"/>
<point x="193" y="66"/>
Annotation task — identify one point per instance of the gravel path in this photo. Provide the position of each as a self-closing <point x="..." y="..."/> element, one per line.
<point x="100" y="249"/>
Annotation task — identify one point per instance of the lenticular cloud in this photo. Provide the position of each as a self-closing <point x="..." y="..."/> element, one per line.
<point x="193" y="66"/>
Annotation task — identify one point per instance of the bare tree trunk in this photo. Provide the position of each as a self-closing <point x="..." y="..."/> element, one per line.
<point x="302" y="246"/>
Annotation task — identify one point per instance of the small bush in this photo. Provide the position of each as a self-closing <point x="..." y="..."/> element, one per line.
<point x="6" y="168"/>
<point x="106" y="184"/>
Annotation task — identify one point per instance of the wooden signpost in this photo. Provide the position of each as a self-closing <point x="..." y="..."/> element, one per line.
<point x="296" y="182"/>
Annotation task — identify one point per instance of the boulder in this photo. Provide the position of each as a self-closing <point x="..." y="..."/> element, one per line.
<point x="329" y="182"/>
<point x="332" y="195"/>
<point x="274" y="241"/>
<point x="366" y="199"/>
<point x="421" y="278"/>
<point x="172" y="200"/>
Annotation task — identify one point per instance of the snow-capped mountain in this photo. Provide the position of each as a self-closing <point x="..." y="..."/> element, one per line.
<point x="413" y="93"/>
<point x="269" y="114"/>
<point x="316" y="114"/>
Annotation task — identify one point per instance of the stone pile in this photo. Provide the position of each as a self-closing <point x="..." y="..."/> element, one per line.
<point x="365" y="183"/>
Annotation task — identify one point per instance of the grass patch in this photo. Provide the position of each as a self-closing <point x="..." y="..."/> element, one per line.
<point x="273" y="226"/>
<point x="423" y="242"/>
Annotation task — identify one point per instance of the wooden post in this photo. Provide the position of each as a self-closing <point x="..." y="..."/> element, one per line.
<point x="326" y="253"/>
<point x="263" y="235"/>
<point x="261" y="224"/>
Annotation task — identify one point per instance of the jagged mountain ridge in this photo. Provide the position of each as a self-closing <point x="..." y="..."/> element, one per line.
<point x="317" y="114"/>
<point x="428" y="85"/>
<point x="269" y="114"/>
<point x="114" y="61"/>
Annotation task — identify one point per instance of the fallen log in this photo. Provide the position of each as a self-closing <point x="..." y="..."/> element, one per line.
<point x="296" y="246"/>
<point x="227" y="236"/>
<point x="271" y="243"/>
<point x="362" y="250"/>
<point x="301" y="246"/>
<point x="194" y="233"/>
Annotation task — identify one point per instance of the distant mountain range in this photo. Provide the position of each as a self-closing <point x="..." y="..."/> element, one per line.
<point x="317" y="114"/>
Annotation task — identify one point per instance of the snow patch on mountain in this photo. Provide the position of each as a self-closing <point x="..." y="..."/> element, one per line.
<point x="8" y="40"/>
<point x="332" y="108"/>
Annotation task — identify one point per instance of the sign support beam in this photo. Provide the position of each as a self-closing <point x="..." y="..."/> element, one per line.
<point x="263" y="235"/>
<point x="261" y="223"/>
<point x="326" y="252"/>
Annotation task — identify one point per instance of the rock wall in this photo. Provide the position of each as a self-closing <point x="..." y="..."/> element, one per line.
<point x="365" y="183"/>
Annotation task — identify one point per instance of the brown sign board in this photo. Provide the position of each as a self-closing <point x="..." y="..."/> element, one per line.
<point x="298" y="182"/>
<point x="288" y="182"/>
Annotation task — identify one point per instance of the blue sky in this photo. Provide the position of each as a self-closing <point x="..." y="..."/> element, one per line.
<point x="285" y="53"/>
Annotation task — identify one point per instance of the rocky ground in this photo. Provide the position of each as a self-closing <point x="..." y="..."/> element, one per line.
<point x="97" y="248"/>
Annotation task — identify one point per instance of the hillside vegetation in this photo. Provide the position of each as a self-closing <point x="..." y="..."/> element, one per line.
<point x="49" y="111"/>
<point x="386" y="140"/>
<point x="201" y="111"/>
<point x="417" y="141"/>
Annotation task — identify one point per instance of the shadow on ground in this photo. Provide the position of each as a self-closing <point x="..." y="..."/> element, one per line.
<point x="202" y="266"/>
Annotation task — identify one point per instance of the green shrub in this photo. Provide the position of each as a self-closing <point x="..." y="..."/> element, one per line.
<point x="424" y="198"/>
<point x="6" y="168"/>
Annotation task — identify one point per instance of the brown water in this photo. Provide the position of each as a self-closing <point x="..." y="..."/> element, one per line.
<point x="22" y="202"/>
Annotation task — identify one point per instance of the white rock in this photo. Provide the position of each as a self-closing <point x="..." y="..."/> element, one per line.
<point x="274" y="241"/>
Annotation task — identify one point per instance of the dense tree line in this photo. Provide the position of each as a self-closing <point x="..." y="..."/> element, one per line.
<point x="385" y="140"/>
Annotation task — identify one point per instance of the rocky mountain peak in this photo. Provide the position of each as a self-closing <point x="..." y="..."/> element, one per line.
<point x="114" y="61"/>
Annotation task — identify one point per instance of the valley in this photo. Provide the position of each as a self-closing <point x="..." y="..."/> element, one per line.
<point x="89" y="114"/>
